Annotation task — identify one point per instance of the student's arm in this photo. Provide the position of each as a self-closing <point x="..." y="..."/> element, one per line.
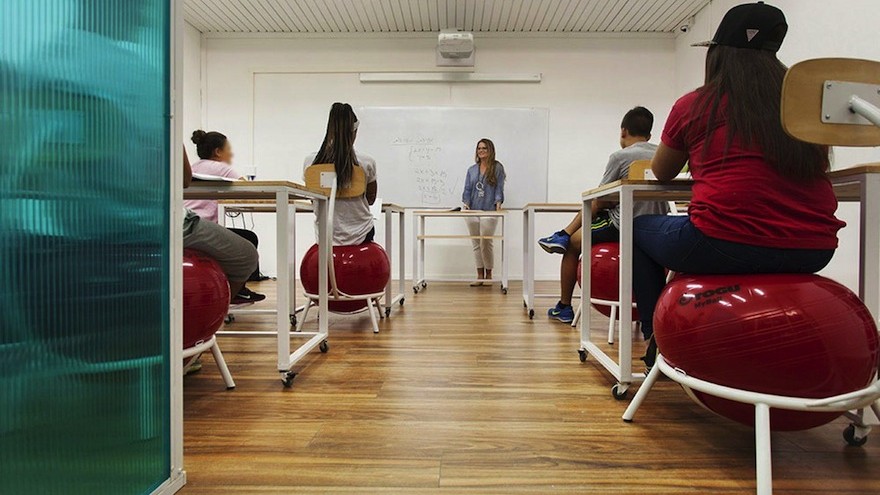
<point x="187" y="171"/>
<point x="613" y="171"/>
<point x="599" y="205"/>
<point x="668" y="162"/>
<point x="372" y="190"/>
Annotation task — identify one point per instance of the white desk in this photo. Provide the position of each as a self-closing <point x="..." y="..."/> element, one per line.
<point x="388" y="209"/>
<point x="625" y="192"/>
<point x="530" y="211"/>
<point x="420" y="236"/>
<point x="860" y="184"/>
<point x="284" y="194"/>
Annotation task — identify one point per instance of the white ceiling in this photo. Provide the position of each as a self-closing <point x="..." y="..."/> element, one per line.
<point x="408" y="16"/>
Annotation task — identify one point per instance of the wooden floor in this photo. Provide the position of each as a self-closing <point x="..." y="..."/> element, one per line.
<point x="462" y="393"/>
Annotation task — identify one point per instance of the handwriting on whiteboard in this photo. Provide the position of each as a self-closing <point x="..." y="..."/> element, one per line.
<point x="410" y="141"/>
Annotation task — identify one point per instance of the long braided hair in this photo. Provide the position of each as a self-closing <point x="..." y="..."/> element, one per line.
<point x="338" y="145"/>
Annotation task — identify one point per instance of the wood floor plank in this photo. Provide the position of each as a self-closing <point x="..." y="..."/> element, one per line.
<point x="460" y="393"/>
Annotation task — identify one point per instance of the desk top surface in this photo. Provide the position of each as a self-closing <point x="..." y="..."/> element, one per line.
<point x="680" y="189"/>
<point x="552" y="207"/>
<point x="302" y="206"/>
<point x="250" y="190"/>
<point x="462" y="213"/>
<point x="868" y="168"/>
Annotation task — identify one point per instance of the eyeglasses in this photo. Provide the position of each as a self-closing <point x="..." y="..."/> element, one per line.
<point x="482" y="148"/>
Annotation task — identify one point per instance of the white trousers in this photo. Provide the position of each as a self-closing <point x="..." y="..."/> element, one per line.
<point x="484" y="253"/>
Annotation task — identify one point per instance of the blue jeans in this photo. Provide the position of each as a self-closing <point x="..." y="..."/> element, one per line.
<point x="663" y="241"/>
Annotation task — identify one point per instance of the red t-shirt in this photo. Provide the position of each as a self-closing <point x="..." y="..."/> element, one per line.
<point x="739" y="197"/>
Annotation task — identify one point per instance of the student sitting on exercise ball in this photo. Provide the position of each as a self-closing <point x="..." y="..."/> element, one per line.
<point x="635" y="132"/>
<point x="215" y="158"/>
<point x="762" y="202"/>
<point x="352" y="220"/>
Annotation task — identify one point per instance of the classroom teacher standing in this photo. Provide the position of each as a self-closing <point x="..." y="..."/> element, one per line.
<point x="483" y="190"/>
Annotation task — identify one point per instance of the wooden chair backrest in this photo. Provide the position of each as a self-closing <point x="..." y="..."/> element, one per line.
<point x="801" y="107"/>
<point x="637" y="169"/>
<point x="356" y="189"/>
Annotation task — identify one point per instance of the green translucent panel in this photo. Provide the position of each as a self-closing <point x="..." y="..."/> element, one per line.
<point x="84" y="254"/>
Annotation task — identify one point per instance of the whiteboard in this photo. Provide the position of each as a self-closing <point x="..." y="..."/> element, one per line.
<point x="423" y="153"/>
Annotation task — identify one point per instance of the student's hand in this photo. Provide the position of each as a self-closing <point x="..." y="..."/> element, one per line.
<point x="465" y="207"/>
<point x="497" y="206"/>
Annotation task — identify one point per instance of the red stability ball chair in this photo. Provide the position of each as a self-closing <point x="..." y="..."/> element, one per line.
<point x="605" y="285"/>
<point x="358" y="277"/>
<point x="773" y="351"/>
<point x="205" y="303"/>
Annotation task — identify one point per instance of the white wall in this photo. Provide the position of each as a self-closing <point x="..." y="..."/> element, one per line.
<point x="589" y="83"/>
<point x="192" y="86"/>
<point x="810" y="35"/>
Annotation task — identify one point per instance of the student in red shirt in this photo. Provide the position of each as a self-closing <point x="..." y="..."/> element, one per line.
<point x="761" y="200"/>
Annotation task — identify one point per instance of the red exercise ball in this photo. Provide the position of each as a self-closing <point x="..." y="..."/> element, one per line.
<point x="605" y="276"/>
<point x="360" y="269"/>
<point x="205" y="297"/>
<point x="783" y="334"/>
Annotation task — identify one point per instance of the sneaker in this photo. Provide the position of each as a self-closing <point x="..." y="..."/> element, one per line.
<point x="561" y="312"/>
<point x="650" y="357"/>
<point x="556" y="243"/>
<point x="194" y="367"/>
<point x="246" y="296"/>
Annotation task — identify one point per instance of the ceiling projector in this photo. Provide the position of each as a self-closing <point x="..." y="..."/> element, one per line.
<point x="455" y="44"/>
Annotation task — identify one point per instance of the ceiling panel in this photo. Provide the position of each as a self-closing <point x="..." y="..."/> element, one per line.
<point x="414" y="16"/>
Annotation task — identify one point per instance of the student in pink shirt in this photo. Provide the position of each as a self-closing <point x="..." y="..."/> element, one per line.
<point x="215" y="158"/>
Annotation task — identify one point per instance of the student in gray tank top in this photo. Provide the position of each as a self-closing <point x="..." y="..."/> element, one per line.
<point x="635" y="132"/>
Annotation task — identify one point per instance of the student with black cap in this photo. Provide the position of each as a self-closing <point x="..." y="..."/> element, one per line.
<point x="761" y="200"/>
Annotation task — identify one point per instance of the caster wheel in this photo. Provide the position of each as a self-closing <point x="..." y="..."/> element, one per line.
<point x="387" y="312"/>
<point x="531" y="314"/>
<point x="324" y="346"/>
<point x="849" y="434"/>
<point x="582" y="355"/>
<point x="401" y="300"/>
<point x="229" y="319"/>
<point x="620" y="392"/>
<point x="504" y="290"/>
<point x="287" y="379"/>
<point x="293" y="320"/>
<point x="424" y="285"/>
<point x="415" y="289"/>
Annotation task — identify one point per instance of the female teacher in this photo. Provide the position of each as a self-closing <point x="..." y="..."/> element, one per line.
<point x="483" y="190"/>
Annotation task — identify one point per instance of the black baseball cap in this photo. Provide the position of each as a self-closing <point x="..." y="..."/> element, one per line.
<point x="751" y="25"/>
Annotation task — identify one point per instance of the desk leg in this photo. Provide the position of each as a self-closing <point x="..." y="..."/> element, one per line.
<point x="586" y="247"/>
<point x="505" y="260"/>
<point x="869" y="274"/>
<point x="325" y="246"/>
<point x="401" y="236"/>
<point x="625" y="297"/>
<point x="389" y="249"/>
<point x="416" y="255"/>
<point x="869" y="244"/>
<point x="529" y="261"/>
<point x="422" y="253"/>
<point x="291" y="222"/>
<point x="283" y="287"/>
